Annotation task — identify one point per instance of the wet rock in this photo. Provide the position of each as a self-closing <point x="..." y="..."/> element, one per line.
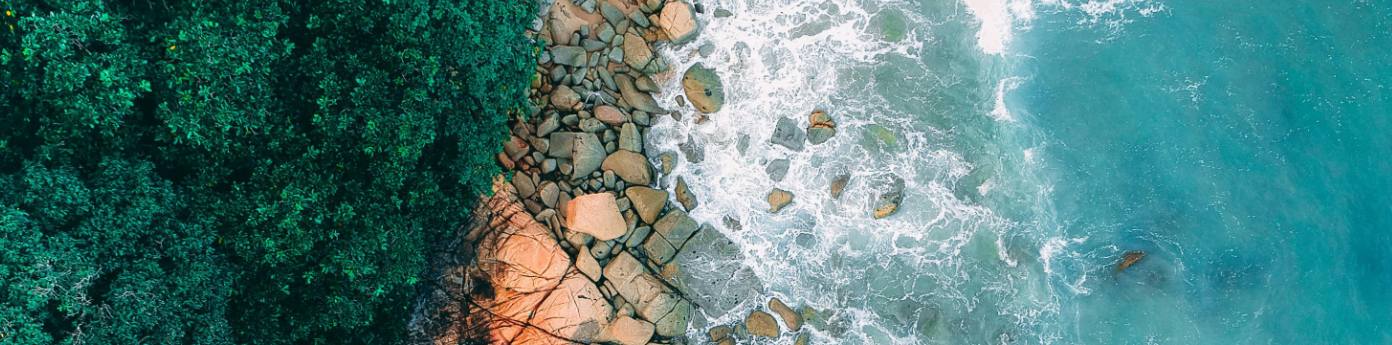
<point x="719" y="333"/>
<point x="838" y="185"/>
<point x="704" y="89"/>
<point x="659" y="250"/>
<point x="587" y="265"/>
<point x="637" y="99"/>
<point x="646" y="84"/>
<point x="631" y="167"/>
<point x="723" y="13"/>
<point x="610" y="115"/>
<point x="802" y="339"/>
<point x="675" y="227"/>
<point x="595" y="214"/>
<point x="888" y="202"/>
<point x="678" y="22"/>
<point x="569" y="55"/>
<point x="787" y="134"/>
<point x="684" y="196"/>
<point x="636" y="52"/>
<point x="587" y="155"/>
<point x="777" y="169"/>
<point x="564" y="98"/>
<point x="778" y="199"/>
<point x="761" y="324"/>
<point x="647" y="202"/>
<point x="790" y="318"/>
<point x="630" y="138"/>
<point x="627" y="331"/>
<point x="637" y="236"/>
<point x="638" y="18"/>
<point x="669" y="162"/>
<point x="693" y="151"/>
<point x="674" y="319"/>
<point x="821" y="127"/>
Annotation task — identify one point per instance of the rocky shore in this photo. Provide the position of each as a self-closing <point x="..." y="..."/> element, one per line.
<point x="584" y="242"/>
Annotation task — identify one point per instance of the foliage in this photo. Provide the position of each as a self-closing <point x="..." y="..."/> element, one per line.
<point x="241" y="171"/>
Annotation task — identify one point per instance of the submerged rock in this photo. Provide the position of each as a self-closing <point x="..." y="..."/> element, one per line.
<point x="704" y="89"/>
<point x="888" y="203"/>
<point x="787" y="134"/>
<point x="777" y="169"/>
<point x="838" y="185"/>
<point x="1129" y="259"/>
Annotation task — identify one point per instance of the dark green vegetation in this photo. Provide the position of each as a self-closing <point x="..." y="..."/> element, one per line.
<point x="241" y="171"/>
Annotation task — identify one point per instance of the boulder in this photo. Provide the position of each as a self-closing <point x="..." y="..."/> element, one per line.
<point x="675" y="227"/>
<point x="587" y="155"/>
<point x="550" y="193"/>
<point x="790" y="318"/>
<point x="630" y="138"/>
<point x="569" y="55"/>
<point x="669" y="162"/>
<point x="627" y="331"/>
<point x="703" y="88"/>
<point x="719" y="333"/>
<point x="678" y="21"/>
<point x="587" y="265"/>
<point x="636" y="52"/>
<point x="562" y="144"/>
<point x="761" y="324"/>
<point x="610" y="115"/>
<point x="674" y="320"/>
<point x="532" y="279"/>
<point x="777" y="169"/>
<point x="637" y="99"/>
<point x="778" y="199"/>
<point x="525" y="187"/>
<point x="838" y="185"/>
<point x="684" y="196"/>
<point x="564" y="98"/>
<point x="787" y="134"/>
<point x="659" y="250"/>
<point x="596" y="214"/>
<point x="888" y="202"/>
<point x="566" y="19"/>
<point x="647" y="202"/>
<point x="631" y="167"/>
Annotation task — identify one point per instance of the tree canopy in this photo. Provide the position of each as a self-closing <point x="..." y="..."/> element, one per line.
<point x="261" y="172"/>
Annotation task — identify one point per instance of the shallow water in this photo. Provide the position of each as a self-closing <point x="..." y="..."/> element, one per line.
<point x="1242" y="145"/>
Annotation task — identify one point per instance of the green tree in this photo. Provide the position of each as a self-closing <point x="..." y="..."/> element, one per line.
<point x="248" y="172"/>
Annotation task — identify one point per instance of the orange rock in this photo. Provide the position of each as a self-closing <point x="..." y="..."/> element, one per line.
<point x="596" y="214"/>
<point x="627" y="331"/>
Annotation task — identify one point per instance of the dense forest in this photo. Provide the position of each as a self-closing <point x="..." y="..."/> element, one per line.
<point x="212" y="172"/>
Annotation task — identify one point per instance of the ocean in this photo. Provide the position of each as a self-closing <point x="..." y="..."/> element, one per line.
<point x="1244" y="146"/>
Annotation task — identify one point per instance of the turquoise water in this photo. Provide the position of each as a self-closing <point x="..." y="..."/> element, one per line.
<point x="1243" y="145"/>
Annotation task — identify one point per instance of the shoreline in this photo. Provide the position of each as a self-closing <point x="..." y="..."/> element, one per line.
<point x="578" y="245"/>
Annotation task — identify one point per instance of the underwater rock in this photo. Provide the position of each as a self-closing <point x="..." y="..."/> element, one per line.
<point x="888" y="203"/>
<point x="1129" y="259"/>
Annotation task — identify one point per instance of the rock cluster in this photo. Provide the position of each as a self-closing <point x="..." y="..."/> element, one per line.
<point x="579" y="170"/>
<point x="760" y="326"/>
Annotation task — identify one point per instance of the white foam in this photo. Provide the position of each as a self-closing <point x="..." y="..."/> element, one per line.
<point x="995" y="24"/>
